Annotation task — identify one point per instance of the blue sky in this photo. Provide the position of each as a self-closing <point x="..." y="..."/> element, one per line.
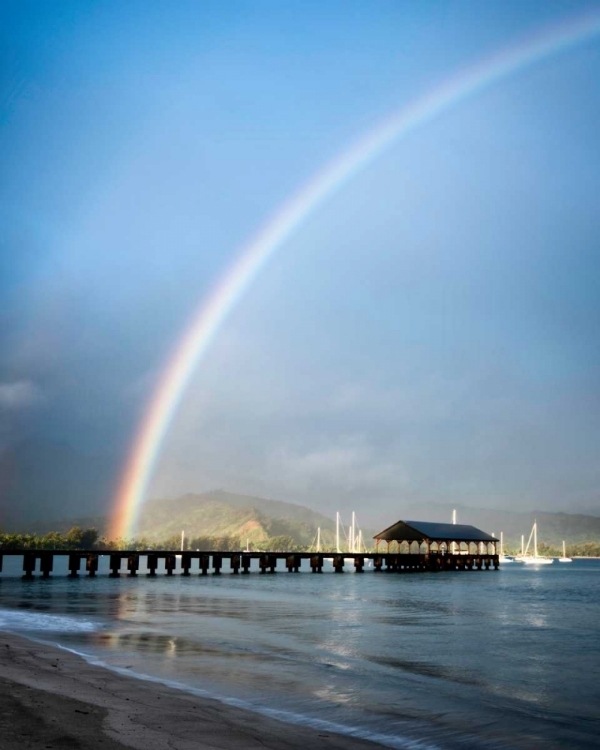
<point x="430" y="333"/>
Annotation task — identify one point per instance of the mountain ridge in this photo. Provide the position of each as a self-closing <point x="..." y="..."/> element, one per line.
<point x="219" y="513"/>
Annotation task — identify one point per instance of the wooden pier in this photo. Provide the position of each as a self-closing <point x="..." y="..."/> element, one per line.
<point x="188" y="563"/>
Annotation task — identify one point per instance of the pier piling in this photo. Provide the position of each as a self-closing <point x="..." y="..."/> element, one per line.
<point x="115" y="565"/>
<point x="91" y="565"/>
<point x="133" y="565"/>
<point x="186" y="563"/>
<point x="74" y="565"/>
<point x="170" y="564"/>
<point x="28" y="565"/>
<point x="204" y="564"/>
<point x="46" y="564"/>
<point x="152" y="564"/>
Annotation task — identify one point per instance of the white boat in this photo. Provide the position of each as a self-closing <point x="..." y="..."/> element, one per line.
<point x="535" y="559"/>
<point x="564" y="557"/>
<point x="519" y="558"/>
<point x="502" y="557"/>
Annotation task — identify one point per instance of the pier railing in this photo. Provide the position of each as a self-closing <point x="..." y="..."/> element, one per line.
<point x="198" y="562"/>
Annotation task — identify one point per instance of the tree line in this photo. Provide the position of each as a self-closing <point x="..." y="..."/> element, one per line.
<point x="88" y="539"/>
<point x="83" y="539"/>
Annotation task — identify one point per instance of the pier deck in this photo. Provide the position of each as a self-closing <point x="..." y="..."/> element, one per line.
<point x="201" y="563"/>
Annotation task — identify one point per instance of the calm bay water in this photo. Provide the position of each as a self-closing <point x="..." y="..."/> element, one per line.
<point x="507" y="659"/>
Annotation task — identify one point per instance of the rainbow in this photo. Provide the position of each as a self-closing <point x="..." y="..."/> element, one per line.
<point x="211" y="314"/>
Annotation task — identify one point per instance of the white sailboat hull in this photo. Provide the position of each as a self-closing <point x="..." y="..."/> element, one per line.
<point x="537" y="560"/>
<point x="564" y="557"/>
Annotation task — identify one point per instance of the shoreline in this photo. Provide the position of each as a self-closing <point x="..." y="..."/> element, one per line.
<point x="53" y="698"/>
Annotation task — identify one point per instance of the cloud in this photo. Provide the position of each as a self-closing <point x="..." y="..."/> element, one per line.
<point x="350" y="463"/>
<point x="21" y="394"/>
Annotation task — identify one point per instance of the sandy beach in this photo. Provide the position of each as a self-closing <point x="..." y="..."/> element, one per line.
<point x="50" y="698"/>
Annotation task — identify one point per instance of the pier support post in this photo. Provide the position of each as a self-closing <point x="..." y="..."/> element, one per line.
<point x="46" y="564"/>
<point x="152" y="564"/>
<point x="496" y="562"/>
<point x="74" y="565"/>
<point x="292" y="563"/>
<point x="28" y="565"/>
<point x="263" y="563"/>
<point x="377" y="563"/>
<point x="1" y="563"/>
<point x="338" y="563"/>
<point x="170" y="564"/>
<point x="204" y="563"/>
<point x="234" y="562"/>
<point x="359" y="563"/>
<point x="186" y="563"/>
<point x="245" y="564"/>
<point x="316" y="563"/>
<point x="91" y="565"/>
<point x="115" y="566"/>
<point x="217" y="564"/>
<point x="133" y="564"/>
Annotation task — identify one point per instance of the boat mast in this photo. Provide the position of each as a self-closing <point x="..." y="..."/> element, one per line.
<point x="318" y="539"/>
<point x="535" y="554"/>
<point x="453" y="550"/>
<point x="564" y="549"/>
<point x="352" y="533"/>
<point x="501" y="544"/>
<point x="337" y="531"/>
<point x="182" y="538"/>
<point x="531" y="536"/>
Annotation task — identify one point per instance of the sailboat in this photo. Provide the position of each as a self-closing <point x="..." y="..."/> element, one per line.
<point x="502" y="557"/>
<point x="535" y="559"/>
<point x="519" y="557"/>
<point x="564" y="557"/>
<point x="355" y="540"/>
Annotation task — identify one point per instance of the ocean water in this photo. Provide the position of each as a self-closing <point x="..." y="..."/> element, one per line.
<point x="481" y="659"/>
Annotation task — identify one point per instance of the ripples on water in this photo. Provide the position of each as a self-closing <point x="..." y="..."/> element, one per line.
<point x="451" y="660"/>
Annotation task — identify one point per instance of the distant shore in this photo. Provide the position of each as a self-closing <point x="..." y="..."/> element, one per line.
<point x="51" y="698"/>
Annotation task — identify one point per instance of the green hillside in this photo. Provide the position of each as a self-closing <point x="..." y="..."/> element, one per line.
<point x="233" y="519"/>
<point x="225" y="514"/>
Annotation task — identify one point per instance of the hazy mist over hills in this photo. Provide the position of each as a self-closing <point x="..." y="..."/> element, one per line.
<point x="220" y="513"/>
<point x="42" y="480"/>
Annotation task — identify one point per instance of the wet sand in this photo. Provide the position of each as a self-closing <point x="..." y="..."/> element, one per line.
<point x="52" y="699"/>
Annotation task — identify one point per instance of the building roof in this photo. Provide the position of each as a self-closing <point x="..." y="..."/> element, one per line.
<point x="419" y="531"/>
